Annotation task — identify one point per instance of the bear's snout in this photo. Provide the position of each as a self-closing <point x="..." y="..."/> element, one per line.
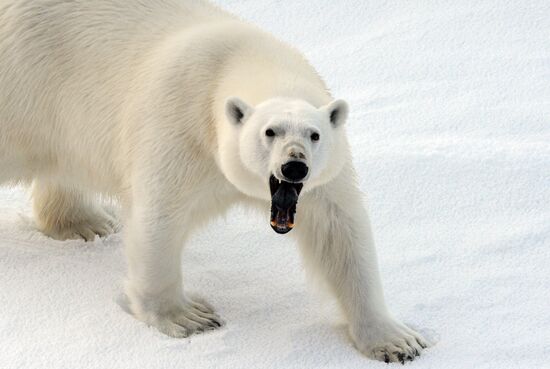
<point x="294" y="171"/>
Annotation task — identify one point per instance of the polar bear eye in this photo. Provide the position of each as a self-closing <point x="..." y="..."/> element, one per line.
<point x="315" y="136"/>
<point x="270" y="133"/>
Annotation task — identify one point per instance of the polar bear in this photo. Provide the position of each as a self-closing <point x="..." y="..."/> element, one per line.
<point x="179" y="110"/>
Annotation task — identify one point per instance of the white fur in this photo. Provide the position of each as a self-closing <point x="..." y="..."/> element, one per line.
<point x="136" y="100"/>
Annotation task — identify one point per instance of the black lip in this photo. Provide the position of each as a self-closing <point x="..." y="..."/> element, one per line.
<point x="284" y="197"/>
<point x="274" y="184"/>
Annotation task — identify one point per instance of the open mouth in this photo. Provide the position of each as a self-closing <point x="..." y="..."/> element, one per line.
<point x="284" y="197"/>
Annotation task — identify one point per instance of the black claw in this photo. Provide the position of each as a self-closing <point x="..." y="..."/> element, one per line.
<point x="216" y="323"/>
<point x="400" y="357"/>
<point x="416" y="353"/>
<point x="386" y="358"/>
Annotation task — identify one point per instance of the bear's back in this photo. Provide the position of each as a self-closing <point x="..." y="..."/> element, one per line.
<point x="67" y="68"/>
<point x="38" y="32"/>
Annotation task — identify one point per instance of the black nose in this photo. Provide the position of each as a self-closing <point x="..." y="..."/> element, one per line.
<point x="294" y="170"/>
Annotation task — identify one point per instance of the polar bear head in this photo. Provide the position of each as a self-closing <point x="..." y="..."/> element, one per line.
<point x="281" y="147"/>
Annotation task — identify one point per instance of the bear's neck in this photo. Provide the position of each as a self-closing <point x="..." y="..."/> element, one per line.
<point x="255" y="84"/>
<point x="261" y="67"/>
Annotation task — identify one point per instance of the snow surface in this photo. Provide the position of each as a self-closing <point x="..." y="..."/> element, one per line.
<point x="450" y="127"/>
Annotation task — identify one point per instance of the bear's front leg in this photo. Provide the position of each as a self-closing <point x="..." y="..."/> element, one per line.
<point x="335" y="240"/>
<point x="154" y="236"/>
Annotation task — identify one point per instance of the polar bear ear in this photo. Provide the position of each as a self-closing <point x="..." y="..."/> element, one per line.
<point x="237" y="110"/>
<point x="337" y="112"/>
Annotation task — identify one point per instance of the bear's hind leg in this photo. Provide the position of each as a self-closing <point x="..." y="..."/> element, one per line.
<point x="63" y="212"/>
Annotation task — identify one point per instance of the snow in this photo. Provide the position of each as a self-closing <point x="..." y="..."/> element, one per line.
<point x="450" y="127"/>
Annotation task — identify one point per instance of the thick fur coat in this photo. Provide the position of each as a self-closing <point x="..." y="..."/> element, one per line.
<point x="179" y="110"/>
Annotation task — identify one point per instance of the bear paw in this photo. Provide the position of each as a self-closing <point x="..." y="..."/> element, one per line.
<point x="389" y="341"/>
<point x="86" y="225"/>
<point x="185" y="321"/>
<point x="180" y="320"/>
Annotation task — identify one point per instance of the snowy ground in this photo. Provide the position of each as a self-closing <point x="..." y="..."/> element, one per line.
<point x="450" y="127"/>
